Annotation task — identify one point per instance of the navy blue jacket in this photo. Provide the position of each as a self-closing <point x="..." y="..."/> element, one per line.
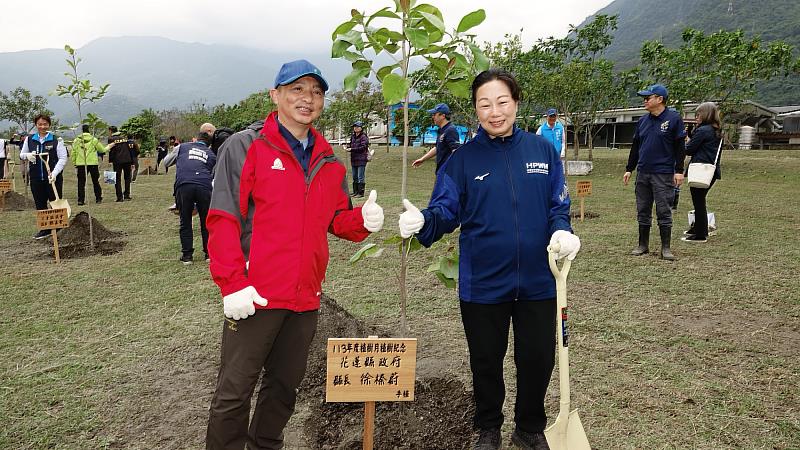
<point x="658" y="144"/>
<point x="703" y="148"/>
<point x="509" y="196"/>
<point x="195" y="163"/>
<point x="446" y="142"/>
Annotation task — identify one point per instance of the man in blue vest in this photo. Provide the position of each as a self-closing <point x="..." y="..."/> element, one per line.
<point x="194" y="163"/>
<point x="446" y="137"/>
<point x="553" y="131"/>
<point x="657" y="155"/>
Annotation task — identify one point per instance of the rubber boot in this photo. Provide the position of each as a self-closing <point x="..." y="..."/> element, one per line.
<point x="355" y="190"/>
<point x="644" y="241"/>
<point x="361" y="187"/>
<point x="666" y="235"/>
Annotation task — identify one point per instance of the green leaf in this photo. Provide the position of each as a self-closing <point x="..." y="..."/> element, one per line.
<point x="356" y="14"/>
<point x="343" y="28"/>
<point x="385" y="70"/>
<point x="362" y="64"/>
<point x="396" y="239"/>
<point x="481" y="61"/>
<point x="353" y="37"/>
<point x="460" y="88"/>
<point x="351" y="56"/>
<point x="394" y="87"/>
<point x="433" y="20"/>
<point x="366" y="250"/>
<point x="351" y="80"/>
<point x="383" y="13"/>
<point x="417" y="37"/>
<point x="339" y="48"/>
<point x="472" y="19"/>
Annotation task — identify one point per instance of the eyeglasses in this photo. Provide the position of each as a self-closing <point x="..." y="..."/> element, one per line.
<point x="650" y="97"/>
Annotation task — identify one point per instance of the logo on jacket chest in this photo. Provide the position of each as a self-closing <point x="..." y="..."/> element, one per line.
<point x="664" y="126"/>
<point x="537" y="167"/>
<point x="277" y="164"/>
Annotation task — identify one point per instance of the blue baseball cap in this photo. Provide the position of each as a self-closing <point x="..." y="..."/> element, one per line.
<point x="293" y="71"/>
<point x="656" y="89"/>
<point x="552" y="112"/>
<point x="440" y="108"/>
<point x="358" y="123"/>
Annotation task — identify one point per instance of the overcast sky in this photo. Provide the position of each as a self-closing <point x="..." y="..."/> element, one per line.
<point x="291" y="26"/>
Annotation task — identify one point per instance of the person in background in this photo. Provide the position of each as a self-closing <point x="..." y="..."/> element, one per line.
<point x="120" y="156"/>
<point x="506" y="190"/>
<point x="553" y="131"/>
<point x="17" y="140"/>
<point x="703" y="148"/>
<point x="133" y="147"/>
<point x="275" y="198"/>
<point x="358" y="148"/>
<point x="194" y="166"/>
<point x="3" y="162"/>
<point x="447" y="140"/>
<point x="39" y="149"/>
<point x="172" y="146"/>
<point x="85" y="149"/>
<point x="657" y="155"/>
<point x="161" y="152"/>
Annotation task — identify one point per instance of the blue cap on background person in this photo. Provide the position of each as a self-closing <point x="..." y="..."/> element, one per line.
<point x="358" y="123"/>
<point x="293" y="71"/>
<point x="440" y="108"/>
<point x="552" y="112"/>
<point x="656" y="89"/>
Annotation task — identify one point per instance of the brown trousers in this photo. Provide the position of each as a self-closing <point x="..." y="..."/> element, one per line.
<point x="276" y="341"/>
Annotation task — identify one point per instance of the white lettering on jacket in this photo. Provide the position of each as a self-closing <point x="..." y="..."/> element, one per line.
<point x="537" y="167"/>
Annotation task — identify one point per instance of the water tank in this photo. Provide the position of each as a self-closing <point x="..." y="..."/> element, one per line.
<point x="746" y="137"/>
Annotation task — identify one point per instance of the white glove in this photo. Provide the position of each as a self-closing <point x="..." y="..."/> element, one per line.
<point x="51" y="179"/>
<point x="372" y="213"/>
<point x="568" y="244"/>
<point x="31" y="157"/>
<point x="239" y="305"/>
<point x="411" y="221"/>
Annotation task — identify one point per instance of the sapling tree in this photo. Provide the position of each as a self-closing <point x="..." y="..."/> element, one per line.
<point x="80" y="90"/>
<point x="409" y="33"/>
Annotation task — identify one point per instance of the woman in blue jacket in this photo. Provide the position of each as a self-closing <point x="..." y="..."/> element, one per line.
<point x="507" y="192"/>
<point x="703" y="148"/>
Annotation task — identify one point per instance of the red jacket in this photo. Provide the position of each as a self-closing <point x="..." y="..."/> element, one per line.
<point x="266" y="211"/>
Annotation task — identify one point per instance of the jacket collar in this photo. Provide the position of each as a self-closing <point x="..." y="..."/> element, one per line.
<point x="273" y="135"/>
<point x="48" y="137"/>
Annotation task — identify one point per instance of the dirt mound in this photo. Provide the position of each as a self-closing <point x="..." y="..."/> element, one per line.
<point x="74" y="241"/>
<point x="440" y="416"/>
<point x="17" y="202"/>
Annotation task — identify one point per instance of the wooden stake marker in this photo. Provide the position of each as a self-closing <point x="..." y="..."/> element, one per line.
<point x="5" y="186"/>
<point x="584" y="189"/>
<point x="52" y="219"/>
<point x="370" y="370"/>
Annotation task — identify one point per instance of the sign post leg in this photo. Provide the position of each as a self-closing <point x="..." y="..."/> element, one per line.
<point x="582" y="208"/>
<point x="55" y="243"/>
<point x="369" y="425"/>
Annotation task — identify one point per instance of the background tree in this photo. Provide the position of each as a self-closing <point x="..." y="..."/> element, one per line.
<point x="142" y="128"/>
<point x="419" y="34"/>
<point x="80" y="90"/>
<point x="364" y="103"/>
<point x="20" y="107"/>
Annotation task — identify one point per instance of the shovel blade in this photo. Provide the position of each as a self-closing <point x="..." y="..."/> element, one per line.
<point x="569" y="435"/>
<point x="62" y="204"/>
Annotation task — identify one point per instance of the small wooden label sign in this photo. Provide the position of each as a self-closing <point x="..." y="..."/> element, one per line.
<point x="584" y="188"/>
<point x="367" y="370"/>
<point x="50" y="219"/>
<point x="5" y="186"/>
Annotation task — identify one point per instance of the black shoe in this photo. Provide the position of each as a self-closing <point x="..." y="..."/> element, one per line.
<point x="208" y="258"/>
<point x="119" y="199"/>
<point x="186" y="259"/>
<point x="80" y="203"/>
<point x="41" y="234"/>
<point x="689" y="232"/>
<point x="99" y="200"/>
<point x="529" y="441"/>
<point x="128" y="198"/>
<point x="488" y="439"/>
<point x="694" y="238"/>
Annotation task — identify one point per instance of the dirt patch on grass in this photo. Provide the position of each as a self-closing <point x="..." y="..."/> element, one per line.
<point x="86" y="236"/>
<point x="440" y="416"/>
<point x="17" y="202"/>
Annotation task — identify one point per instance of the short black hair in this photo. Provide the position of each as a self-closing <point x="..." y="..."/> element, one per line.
<point x="112" y="129"/>
<point x="44" y="117"/>
<point x="203" y="136"/>
<point x="172" y="138"/>
<point x="497" y="74"/>
<point x="85" y="128"/>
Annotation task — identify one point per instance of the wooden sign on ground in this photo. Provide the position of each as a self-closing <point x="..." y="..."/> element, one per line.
<point x="52" y="219"/>
<point x="5" y="186"/>
<point x="584" y="189"/>
<point x="370" y="370"/>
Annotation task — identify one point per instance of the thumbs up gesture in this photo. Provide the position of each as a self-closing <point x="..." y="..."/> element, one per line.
<point x="372" y="213"/>
<point x="411" y="221"/>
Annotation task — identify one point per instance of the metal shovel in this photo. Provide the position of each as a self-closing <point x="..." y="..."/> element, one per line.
<point x="567" y="431"/>
<point x="58" y="203"/>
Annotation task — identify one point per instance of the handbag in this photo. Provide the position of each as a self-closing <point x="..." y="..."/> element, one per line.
<point x="110" y="177"/>
<point x="701" y="174"/>
<point x="370" y="154"/>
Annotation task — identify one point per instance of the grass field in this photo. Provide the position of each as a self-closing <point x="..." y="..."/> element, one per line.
<point x="121" y="351"/>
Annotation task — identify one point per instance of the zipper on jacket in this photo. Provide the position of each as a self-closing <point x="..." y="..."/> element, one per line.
<point x="516" y="215"/>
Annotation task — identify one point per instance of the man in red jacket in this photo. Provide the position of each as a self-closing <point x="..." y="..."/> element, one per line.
<point x="277" y="192"/>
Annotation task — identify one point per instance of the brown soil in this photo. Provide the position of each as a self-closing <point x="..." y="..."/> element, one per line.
<point x="74" y="241"/>
<point x="440" y="416"/>
<point x="148" y="171"/>
<point x="17" y="202"/>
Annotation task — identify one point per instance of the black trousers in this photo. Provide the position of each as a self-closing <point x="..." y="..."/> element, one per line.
<point x="42" y="191"/>
<point x="486" y="328"/>
<point x="658" y="188"/>
<point x="159" y="157"/>
<point x="700" y="226"/>
<point x="274" y="342"/>
<point x="123" y="169"/>
<point x="95" y="174"/>
<point x="188" y="196"/>
<point x="2" y="168"/>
